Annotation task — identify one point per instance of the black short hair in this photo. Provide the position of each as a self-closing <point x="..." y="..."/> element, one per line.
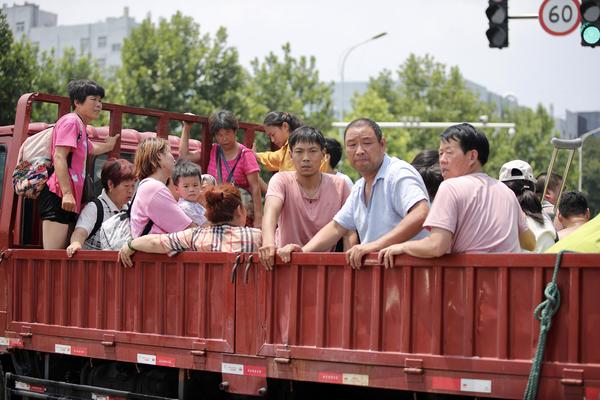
<point x="572" y="204"/>
<point x="223" y="119"/>
<point x="306" y="134"/>
<point x="428" y="166"/>
<point x="277" y="118"/>
<point x="81" y="88"/>
<point x="468" y="138"/>
<point x="334" y="149"/>
<point x="553" y="184"/>
<point x="185" y="168"/>
<point x="368" y="122"/>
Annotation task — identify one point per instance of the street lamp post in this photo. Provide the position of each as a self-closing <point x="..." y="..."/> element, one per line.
<point x="345" y="56"/>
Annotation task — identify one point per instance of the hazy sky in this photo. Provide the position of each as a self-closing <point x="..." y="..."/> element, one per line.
<point x="536" y="68"/>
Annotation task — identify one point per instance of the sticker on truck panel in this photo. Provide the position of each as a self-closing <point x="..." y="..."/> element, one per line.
<point x="152" y="359"/>
<point x="10" y="342"/>
<point x="345" y="379"/>
<point x="246" y="370"/>
<point x="30" y="388"/>
<point x="70" y="350"/>
<point x="462" y="384"/>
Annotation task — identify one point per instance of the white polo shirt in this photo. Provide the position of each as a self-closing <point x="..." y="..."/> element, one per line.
<point x="87" y="218"/>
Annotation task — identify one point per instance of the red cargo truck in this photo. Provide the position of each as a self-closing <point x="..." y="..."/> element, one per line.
<point x="217" y="324"/>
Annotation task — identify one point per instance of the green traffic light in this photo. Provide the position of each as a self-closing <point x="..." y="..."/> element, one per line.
<point x="590" y="34"/>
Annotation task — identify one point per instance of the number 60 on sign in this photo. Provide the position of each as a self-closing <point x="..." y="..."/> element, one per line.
<point x="559" y="17"/>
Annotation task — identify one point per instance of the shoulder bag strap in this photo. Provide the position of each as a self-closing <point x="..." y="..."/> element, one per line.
<point x="99" y="216"/>
<point x="219" y="156"/>
<point x="232" y="170"/>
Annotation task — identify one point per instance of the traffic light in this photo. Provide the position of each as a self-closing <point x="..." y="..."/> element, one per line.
<point x="497" y="14"/>
<point x="590" y="23"/>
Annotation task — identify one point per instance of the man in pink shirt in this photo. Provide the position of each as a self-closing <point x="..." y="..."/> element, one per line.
<point x="300" y="202"/>
<point x="472" y="212"/>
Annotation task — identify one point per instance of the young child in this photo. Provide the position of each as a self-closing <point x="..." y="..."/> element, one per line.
<point x="187" y="180"/>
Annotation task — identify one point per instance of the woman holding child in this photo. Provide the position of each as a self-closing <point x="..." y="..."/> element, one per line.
<point x="154" y="209"/>
<point x="226" y="231"/>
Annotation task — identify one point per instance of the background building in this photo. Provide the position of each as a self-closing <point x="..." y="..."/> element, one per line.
<point x="101" y="40"/>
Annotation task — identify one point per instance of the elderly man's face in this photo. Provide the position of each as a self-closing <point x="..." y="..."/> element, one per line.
<point x="453" y="162"/>
<point x="364" y="151"/>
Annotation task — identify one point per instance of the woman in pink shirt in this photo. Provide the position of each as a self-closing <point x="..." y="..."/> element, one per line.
<point x="153" y="208"/>
<point x="230" y="161"/>
<point x="60" y="200"/>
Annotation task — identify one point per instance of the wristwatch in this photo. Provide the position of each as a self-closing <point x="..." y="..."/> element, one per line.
<point x="129" y="245"/>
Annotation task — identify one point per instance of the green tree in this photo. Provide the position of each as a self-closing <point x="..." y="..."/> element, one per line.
<point x="591" y="178"/>
<point x="290" y="84"/>
<point x="54" y="75"/>
<point x="18" y="67"/>
<point x="171" y="66"/>
<point x="429" y="91"/>
<point x="531" y="142"/>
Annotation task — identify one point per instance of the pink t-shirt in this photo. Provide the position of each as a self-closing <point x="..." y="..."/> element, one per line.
<point x="482" y="213"/>
<point x="70" y="131"/>
<point x="245" y="166"/>
<point x="302" y="217"/>
<point x="154" y="201"/>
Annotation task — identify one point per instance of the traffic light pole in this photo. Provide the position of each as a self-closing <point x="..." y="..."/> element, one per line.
<point x="523" y="16"/>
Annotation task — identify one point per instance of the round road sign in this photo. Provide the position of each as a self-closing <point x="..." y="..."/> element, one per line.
<point x="559" y="17"/>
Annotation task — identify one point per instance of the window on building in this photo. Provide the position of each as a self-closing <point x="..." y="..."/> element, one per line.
<point x="102" y="62"/>
<point x="101" y="41"/>
<point x="116" y="47"/>
<point x="84" y="45"/>
<point x="20" y="27"/>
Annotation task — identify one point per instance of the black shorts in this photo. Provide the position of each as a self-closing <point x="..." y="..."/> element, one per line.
<point x="51" y="208"/>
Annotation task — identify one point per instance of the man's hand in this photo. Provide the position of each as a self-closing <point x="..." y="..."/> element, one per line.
<point x="386" y="256"/>
<point x="356" y="253"/>
<point x="68" y="202"/>
<point x="285" y="253"/>
<point x="267" y="255"/>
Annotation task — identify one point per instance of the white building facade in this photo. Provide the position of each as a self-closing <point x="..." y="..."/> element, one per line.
<point x="101" y="40"/>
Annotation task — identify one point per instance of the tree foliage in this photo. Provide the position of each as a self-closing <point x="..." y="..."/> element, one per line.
<point x="18" y="68"/>
<point x="55" y="74"/>
<point x="428" y="90"/>
<point x="172" y="66"/>
<point x="290" y="84"/>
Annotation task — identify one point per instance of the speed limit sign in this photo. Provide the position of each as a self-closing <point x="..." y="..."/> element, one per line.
<point x="559" y="17"/>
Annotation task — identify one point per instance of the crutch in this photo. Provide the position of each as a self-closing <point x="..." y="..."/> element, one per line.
<point x="561" y="144"/>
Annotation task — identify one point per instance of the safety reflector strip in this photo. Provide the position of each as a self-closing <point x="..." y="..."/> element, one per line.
<point x="245" y="370"/>
<point x="70" y="350"/>
<point x="152" y="359"/>
<point x="345" y="379"/>
<point x="461" y="384"/>
<point x="9" y="342"/>
<point x="105" y="397"/>
<point x="28" y="387"/>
